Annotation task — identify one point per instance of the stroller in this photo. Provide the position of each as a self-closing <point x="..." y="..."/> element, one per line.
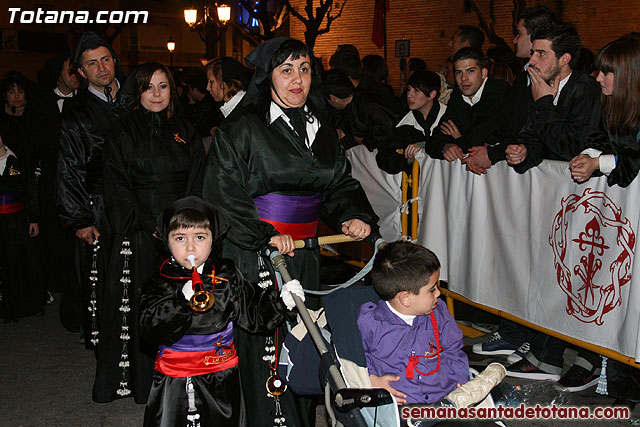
<point x="341" y="373"/>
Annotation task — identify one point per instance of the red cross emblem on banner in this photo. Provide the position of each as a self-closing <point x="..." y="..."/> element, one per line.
<point x="593" y="245"/>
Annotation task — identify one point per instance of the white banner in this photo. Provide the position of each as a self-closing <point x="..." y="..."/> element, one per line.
<point x="383" y="190"/>
<point x="539" y="246"/>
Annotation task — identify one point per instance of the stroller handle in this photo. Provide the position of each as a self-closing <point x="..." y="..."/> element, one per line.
<point x="279" y="263"/>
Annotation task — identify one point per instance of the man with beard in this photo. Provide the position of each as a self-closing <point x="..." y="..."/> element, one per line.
<point x="484" y="156"/>
<point x="566" y="103"/>
<point x="565" y="110"/>
<point x="85" y="124"/>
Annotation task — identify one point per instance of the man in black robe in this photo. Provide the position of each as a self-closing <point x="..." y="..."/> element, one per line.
<point x="85" y="125"/>
<point x="566" y="103"/>
<point x="519" y="97"/>
<point x="512" y="338"/>
<point x="475" y="110"/>
<point x="59" y="83"/>
<point x="565" y="110"/>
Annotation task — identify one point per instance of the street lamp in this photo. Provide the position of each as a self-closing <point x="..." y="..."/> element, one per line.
<point x="190" y="16"/>
<point x="210" y="23"/>
<point x="224" y="12"/>
<point x="171" y="45"/>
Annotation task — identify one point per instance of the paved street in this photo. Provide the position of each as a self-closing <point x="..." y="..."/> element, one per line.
<point x="46" y="377"/>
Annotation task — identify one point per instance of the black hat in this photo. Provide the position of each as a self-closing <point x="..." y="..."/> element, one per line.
<point x="48" y="77"/>
<point x="232" y="69"/>
<point x="260" y="58"/>
<point x="219" y="224"/>
<point x="90" y="41"/>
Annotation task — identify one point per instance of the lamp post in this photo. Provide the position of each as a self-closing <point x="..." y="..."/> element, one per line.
<point x="224" y="12"/>
<point x="222" y="16"/>
<point x="171" y="45"/>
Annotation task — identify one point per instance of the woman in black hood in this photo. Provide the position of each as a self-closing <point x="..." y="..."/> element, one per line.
<point x="274" y="169"/>
<point x="151" y="160"/>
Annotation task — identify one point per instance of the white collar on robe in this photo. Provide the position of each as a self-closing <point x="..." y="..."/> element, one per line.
<point x="276" y="112"/>
<point x="228" y="106"/>
<point x="407" y="318"/>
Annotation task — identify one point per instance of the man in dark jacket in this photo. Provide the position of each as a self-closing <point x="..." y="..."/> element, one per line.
<point x="565" y="110"/>
<point x="475" y="110"/>
<point x="566" y="103"/>
<point x="482" y="158"/>
<point x="85" y="125"/>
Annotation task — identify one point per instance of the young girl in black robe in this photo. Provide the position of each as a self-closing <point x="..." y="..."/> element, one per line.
<point x="196" y="380"/>
<point x="21" y="284"/>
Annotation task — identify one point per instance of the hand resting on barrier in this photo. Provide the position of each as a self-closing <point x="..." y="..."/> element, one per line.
<point x="582" y="167"/>
<point x="516" y="153"/>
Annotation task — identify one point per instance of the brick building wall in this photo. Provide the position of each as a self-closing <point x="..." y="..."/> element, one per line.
<point x="429" y="24"/>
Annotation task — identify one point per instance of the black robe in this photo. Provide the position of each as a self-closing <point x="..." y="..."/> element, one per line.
<point x="373" y="113"/>
<point x="250" y="158"/>
<point x="56" y="243"/>
<point x="21" y="284"/>
<point x="165" y="317"/>
<point x="559" y="132"/>
<point x="625" y="145"/>
<point x="517" y="112"/>
<point x="146" y="168"/>
<point x="400" y="137"/>
<point x="84" y="127"/>
<point x="476" y="122"/>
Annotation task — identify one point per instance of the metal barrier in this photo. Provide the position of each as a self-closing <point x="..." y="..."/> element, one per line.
<point x="413" y="182"/>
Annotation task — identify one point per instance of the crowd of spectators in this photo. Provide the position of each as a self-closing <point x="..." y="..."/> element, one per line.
<point x="549" y="99"/>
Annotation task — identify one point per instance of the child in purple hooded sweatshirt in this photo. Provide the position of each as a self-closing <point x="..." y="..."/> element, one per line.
<point x="412" y="344"/>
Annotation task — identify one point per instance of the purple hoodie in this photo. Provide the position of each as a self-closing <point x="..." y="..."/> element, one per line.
<point x="388" y="342"/>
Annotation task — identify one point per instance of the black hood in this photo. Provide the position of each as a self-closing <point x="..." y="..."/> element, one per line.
<point x="219" y="224"/>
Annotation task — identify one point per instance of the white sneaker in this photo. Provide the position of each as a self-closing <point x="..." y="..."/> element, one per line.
<point x="519" y="354"/>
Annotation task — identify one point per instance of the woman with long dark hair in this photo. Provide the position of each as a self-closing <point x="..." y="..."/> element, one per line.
<point x="274" y="169"/>
<point x="615" y="148"/>
<point x="153" y="159"/>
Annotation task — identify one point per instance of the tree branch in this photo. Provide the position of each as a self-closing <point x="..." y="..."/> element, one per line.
<point x="491" y="34"/>
<point x="295" y="12"/>
<point x="330" y="18"/>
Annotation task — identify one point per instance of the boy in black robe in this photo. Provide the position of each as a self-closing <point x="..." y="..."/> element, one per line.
<point x="196" y="381"/>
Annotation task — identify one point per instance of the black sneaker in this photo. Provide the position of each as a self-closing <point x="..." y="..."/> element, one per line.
<point x="578" y="378"/>
<point x="495" y="346"/>
<point x="524" y="369"/>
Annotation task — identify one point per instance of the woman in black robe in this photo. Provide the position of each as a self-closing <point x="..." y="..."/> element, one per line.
<point x="21" y="284"/>
<point x="617" y="142"/>
<point x="153" y="159"/>
<point x="275" y="167"/>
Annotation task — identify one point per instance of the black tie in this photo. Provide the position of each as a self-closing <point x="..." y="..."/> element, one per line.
<point x="107" y="93"/>
<point x="298" y="121"/>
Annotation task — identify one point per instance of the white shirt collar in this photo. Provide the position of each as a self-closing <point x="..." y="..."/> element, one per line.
<point x="276" y="112"/>
<point x="561" y="85"/>
<point x="101" y="95"/>
<point x="60" y="94"/>
<point x="475" y="98"/>
<point x="3" y="159"/>
<point x="63" y="97"/>
<point x="407" y="318"/>
<point x="228" y="106"/>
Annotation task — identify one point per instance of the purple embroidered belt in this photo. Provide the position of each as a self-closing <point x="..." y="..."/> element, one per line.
<point x="294" y="215"/>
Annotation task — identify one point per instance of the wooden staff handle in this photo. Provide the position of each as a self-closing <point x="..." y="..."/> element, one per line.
<point x="323" y="240"/>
